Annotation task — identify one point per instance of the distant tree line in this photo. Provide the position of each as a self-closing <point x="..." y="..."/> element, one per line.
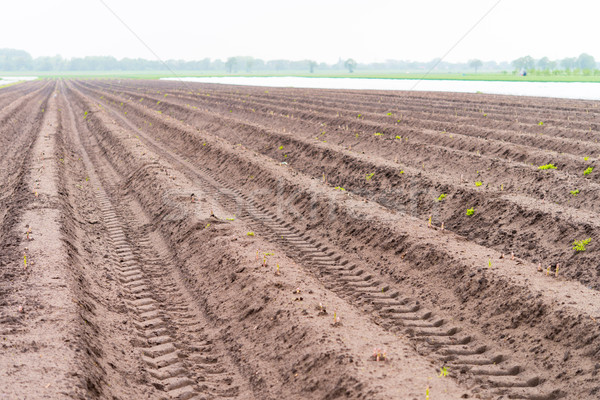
<point x="20" y="60"/>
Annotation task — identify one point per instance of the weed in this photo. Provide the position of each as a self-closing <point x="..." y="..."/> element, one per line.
<point x="250" y="234"/>
<point x="574" y="192"/>
<point x="540" y="123"/>
<point x="25" y="260"/>
<point x="547" y="166"/>
<point x="378" y="134"/>
<point x="557" y="267"/>
<point x="427" y="393"/>
<point x="470" y="211"/>
<point x="579" y="245"/>
<point x="341" y="189"/>
<point x="585" y="158"/>
<point x="389" y="113"/>
<point x="230" y="219"/>
<point x="399" y="137"/>
<point x="369" y="176"/>
<point x="442" y="197"/>
<point x="489" y="263"/>
<point x="280" y="147"/>
<point x="588" y="171"/>
<point x="478" y="183"/>
<point x="277" y="272"/>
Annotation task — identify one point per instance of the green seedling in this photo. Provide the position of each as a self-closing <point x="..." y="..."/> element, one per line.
<point x="389" y="114"/>
<point x="230" y="219"/>
<point x="490" y="263"/>
<point x="277" y="272"/>
<point x="540" y="123"/>
<point x="250" y="234"/>
<point x="443" y="372"/>
<point x="429" y="221"/>
<point x="574" y="192"/>
<point x="579" y="245"/>
<point x="280" y="147"/>
<point x="547" y="166"/>
<point x="341" y="189"/>
<point x="399" y="137"/>
<point x="369" y="176"/>
<point x="207" y="226"/>
<point x="585" y="158"/>
<point x="470" y="211"/>
<point x="378" y="134"/>
<point x="25" y="260"/>
<point x="588" y="171"/>
<point x="442" y="197"/>
<point x="478" y="183"/>
<point x="427" y="393"/>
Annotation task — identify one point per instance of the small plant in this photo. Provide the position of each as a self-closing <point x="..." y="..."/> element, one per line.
<point x="540" y="123"/>
<point x="574" y="192"/>
<point x="579" y="245"/>
<point x="489" y="263"/>
<point x="25" y="260"/>
<point x="341" y="189"/>
<point x="378" y="134"/>
<point x="230" y="219"/>
<point x="379" y="355"/>
<point x="280" y="147"/>
<point x="547" y="166"/>
<point x="389" y="114"/>
<point x="250" y="234"/>
<point x="478" y="183"/>
<point x="585" y="158"/>
<point x="399" y="137"/>
<point x="369" y="176"/>
<point x="470" y="211"/>
<point x="588" y="171"/>
<point x="442" y="197"/>
<point x="443" y="372"/>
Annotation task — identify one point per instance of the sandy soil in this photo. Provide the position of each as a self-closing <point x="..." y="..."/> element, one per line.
<point x="194" y="241"/>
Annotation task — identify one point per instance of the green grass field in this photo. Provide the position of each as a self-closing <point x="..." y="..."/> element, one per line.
<point x="324" y="74"/>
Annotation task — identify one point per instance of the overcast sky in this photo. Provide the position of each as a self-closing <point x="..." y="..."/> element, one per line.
<point x="322" y="30"/>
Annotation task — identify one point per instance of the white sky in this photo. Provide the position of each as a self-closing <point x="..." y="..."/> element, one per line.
<point x="323" y="30"/>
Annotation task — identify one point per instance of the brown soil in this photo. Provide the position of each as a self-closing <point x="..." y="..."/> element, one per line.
<point x="179" y="240"/>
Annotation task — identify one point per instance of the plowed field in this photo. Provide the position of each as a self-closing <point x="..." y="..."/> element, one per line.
<point x="194" y="241"/>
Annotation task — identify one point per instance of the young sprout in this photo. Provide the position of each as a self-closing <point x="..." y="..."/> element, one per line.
<point x="489" y="263"/>
<point x="25" y="260"/>
<point x="557" y="267"/>
<point x="470" y="211"/>
<point x="442" y="227"/>
<point x="427" y="393"/>
<point x="369" y="176"/>
<point x="574" y="192"/>
<point x="548" y="271"/>
<point x="443" y="372"/>
<point x="250" y="234"/>
<point x="379" y="355"/>
<point x="588" y="171"/>
<point x="442" y="197"/>
<point x="512" y="256"/>
<point x="502" y="187"/>
<point x="478" y="183"/>
<point x="429" y="222"/>
<point x="540" y="269"/>
<point x="579" y="245"/>
<point x="277" y="272"/>
<point x="547" y="166"/>
<point x="256" y="254"/>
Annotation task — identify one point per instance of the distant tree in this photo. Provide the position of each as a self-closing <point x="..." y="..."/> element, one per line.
<point x="568" y="63"/>
<point x="350" y="64"/>
<point x="586" y="61"/>
<point x="15" y="60"/>
<point x="231" y="64"/>
<point x="311" y="66"/>
<point x="526" y="62"/>
<point x="475" y="64"/>
<point x="543" y="63"/>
